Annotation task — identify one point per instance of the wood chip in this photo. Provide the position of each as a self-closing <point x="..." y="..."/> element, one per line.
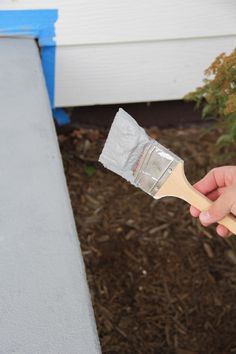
<point x="231" y="256"/>
<point x="157" y="228"/>
<point x="208" y="250"/>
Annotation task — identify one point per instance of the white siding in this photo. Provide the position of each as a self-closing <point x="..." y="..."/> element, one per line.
<point x="106" y="21"/>
<point x="135" y="72"/>
<point x="134" y="50"/>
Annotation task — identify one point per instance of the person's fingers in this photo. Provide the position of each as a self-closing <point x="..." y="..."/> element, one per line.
<point x="219" y="185"/>
<point x="220" y="208"/>
<point x="233" y="207"/>
<point x="212" y="196"/>
<point x="215" y="194"/>
<point x="208" y="185"/>
<point x="213" y="180"/>
<point x="222" y="231"/>
<point x="194" y="212"/>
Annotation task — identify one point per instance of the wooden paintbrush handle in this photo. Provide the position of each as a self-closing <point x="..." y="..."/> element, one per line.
<point x="178" y="186"/>
<point x="201" y="202"/>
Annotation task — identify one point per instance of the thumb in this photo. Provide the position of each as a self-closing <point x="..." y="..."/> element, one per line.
<point x="220" y="208"/>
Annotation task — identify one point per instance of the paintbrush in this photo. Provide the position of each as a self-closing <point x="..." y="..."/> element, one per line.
<point x="132" y="154"/>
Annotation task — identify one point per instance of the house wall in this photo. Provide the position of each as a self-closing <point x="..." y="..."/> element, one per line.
<point x="134" y="51"/>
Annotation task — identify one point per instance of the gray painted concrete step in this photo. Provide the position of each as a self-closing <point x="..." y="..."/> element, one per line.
<point x="45" y="305"/>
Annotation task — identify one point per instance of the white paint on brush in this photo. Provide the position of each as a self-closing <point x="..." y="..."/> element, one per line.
<point x="124" y="145"/>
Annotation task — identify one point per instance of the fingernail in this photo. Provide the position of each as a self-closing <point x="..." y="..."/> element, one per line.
<point x="205" y="216"/>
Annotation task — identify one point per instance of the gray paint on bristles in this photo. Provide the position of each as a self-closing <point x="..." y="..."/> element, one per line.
<point x="124" y="145"/>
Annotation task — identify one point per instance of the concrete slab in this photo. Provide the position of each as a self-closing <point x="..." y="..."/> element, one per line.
<point x="45" y="305"/>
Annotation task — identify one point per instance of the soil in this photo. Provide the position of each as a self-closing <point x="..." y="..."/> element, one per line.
<point x="160" y="283"/>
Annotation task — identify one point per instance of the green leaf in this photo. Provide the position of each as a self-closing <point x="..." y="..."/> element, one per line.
<point x="207" y="110"/>
<point x="232" y="131"/>
<point x="225" y="139"/>
<point x="232" y="118"/>
<point x="89" y="170"/>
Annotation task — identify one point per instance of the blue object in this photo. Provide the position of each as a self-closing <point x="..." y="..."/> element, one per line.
<point x="61" y="116"/>
<point x="38" y="24"/>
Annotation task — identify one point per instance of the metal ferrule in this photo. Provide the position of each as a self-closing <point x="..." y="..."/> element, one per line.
<point x="154" y="167"/>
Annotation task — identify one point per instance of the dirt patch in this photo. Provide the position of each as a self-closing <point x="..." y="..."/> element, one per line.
<point x="160" y="283"/>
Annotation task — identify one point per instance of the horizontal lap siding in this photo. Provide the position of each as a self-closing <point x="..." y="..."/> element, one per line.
<point x="137" y="72"/>
<point x="106" y="21"/>
<point x="129" y="50"/>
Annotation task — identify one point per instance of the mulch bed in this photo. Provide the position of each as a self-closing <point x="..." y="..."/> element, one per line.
<point x="160" y="283"/>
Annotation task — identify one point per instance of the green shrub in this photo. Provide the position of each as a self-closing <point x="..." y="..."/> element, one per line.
<point x="217" y="97"/>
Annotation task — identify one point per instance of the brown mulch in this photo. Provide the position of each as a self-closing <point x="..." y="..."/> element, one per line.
<point x="160" y="283"/>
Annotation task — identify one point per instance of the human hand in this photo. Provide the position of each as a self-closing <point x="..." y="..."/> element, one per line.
<point x="219" y="185"/>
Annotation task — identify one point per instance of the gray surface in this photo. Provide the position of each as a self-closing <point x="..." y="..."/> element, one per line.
<point x="44" y="301"/>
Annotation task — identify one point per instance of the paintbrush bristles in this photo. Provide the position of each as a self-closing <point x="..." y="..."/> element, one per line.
<point x="124" y="146"/>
